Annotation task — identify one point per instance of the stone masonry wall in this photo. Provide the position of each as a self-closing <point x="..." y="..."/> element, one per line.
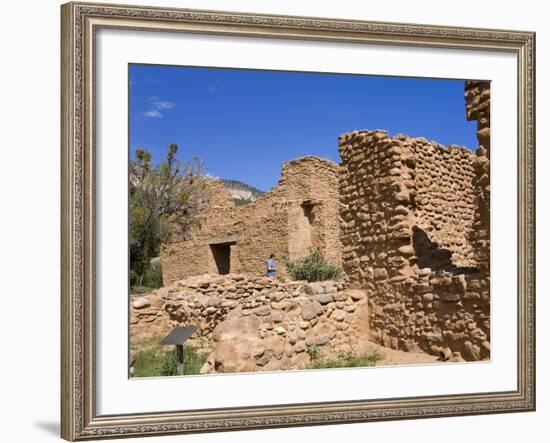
<point x="372" y="227"/>
<point x="407" y="215"/>
<point x="478" y="107"/>
<point x="404" y="201"/>
<point x="444" y="205"/>
<point x="302" y="211"/>
<point x="409" y="220"/>
<point x="256" y="323"/>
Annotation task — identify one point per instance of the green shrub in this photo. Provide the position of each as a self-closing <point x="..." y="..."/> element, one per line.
<point x="141" y="290"/>
<point x="153" y="275"/>
<point x="346" y="360"/>
<point x="155" y="361"/>
<point x="151" y="278"/>
<point x="312" y="267"/>
<point x="314" y="352"/>
<point x="242" y="201"/>
<point x="169" y="364"/>
<point x="193" y="359"/>
<point x="152" y="363"/>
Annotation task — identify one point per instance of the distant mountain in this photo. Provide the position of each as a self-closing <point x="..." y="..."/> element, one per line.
<point x="241" y="192"/>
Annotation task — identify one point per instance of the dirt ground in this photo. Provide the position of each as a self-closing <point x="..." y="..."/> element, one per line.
<point x="394" y="357"/>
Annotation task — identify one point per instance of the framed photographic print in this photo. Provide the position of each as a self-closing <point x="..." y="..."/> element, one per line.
<point x="283" y="221"/>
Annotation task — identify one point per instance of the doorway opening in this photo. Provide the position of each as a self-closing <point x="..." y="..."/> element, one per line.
<point x="222" y="257"/>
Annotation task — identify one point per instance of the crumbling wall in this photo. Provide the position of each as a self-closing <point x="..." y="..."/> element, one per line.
<point x="407" y="215"/>
<point x="478" y="107"/>
<point x="256" y="323"/>
<point x="192" y="256"/>
<point x="309" y="188"/>
<point x="375" y="207"/>
<point x="413" y="233"/>
<point x="444" y="205"/>
<point x="404" y="200"/>
<point x="300" y="212"/>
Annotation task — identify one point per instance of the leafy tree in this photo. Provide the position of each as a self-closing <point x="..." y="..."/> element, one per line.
<point x="165" y="200"/>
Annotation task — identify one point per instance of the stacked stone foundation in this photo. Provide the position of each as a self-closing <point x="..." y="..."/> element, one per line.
<point x="256" y="323"/>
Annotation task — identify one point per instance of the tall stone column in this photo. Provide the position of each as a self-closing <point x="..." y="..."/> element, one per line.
<point x="377" y="192"/>
<point x="478" y="107"/>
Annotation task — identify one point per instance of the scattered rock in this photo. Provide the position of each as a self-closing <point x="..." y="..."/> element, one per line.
<point x="141" y="302"/>
<point x="380" y="274"/>
<point x="314" y="288"/>
<point x="355" y="294"/>
<point x="263" y="360"/>
<point x="324" y="298"/>
<point x="263" y="310"/>
<point x="338" y="315"/>
<point x="311" y="310"/>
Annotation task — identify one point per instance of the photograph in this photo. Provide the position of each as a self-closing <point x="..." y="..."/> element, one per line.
<point x="289" y="220"/>
<point x="281" y="218"/>
<point x="274" y="221"/>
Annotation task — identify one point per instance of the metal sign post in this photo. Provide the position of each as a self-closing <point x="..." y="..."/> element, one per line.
<point x="178" y="337"/>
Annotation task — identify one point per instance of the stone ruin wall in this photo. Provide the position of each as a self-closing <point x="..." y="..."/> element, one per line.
<point x="299" y="212"/>
<point x="478" y="107"/>
<point x="403" y="197"/>
<point x="414" y="223"/>
<point x="313" y="181"/>
<point x="224" y="222"/>
<point x="256" y="323"/>
<point x="410" y="210"/>
<point x="444" y="206"/>
<point x="372" y="227"/>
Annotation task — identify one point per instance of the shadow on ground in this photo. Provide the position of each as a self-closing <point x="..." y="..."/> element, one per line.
<point x="50" y="427"/>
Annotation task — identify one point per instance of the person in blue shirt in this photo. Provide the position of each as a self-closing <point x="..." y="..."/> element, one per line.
<point x="271" y="267"/>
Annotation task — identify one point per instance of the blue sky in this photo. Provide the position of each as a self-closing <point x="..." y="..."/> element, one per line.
<point x="245" y="123"/>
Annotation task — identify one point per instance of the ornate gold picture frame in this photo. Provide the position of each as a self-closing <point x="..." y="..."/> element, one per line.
<point x="80" y="24"/>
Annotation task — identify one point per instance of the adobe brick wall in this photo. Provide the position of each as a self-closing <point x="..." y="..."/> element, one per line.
<point x="302" y="210"/>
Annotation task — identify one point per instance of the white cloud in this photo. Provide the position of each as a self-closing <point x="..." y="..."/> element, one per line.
<point x="153" y="114"/>
<point x="163" y="105"/>
<point x="157" y="106"/>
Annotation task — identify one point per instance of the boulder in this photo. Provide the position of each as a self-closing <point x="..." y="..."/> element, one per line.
<point x="263" y="310"/>
<point x="236" y="346"/>
<point x="311" y="310"/>
<point x="330" y="286"/>
<point x="324" y="298"/>
<point x="356" y="294"/>
<point x="141" y="302"/>
<point x="314" y="288"/>
<point x="263" y="360"/>
<point x="338" y="315"/>
<point x="380" y="274"/>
